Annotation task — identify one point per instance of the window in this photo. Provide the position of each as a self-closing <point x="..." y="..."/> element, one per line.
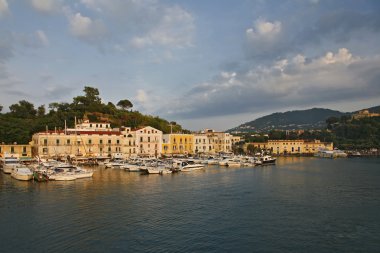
<point x="109" y="149"/>
<point x="45" y="141"/>
<point x="23" y="149"/>
<point x="57" y="141"/>
<point x="100" y="141"/>
<point x="68" y="141"/>
<point x="141" y="139"/>
<point x="89" y="141"/>
<point x="148" y="138"/>
<point x="109" y="141"/>
<point x="118" y="141"/>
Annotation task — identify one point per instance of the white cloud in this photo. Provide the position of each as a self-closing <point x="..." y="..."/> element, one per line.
<point x="263" y="31"/>
<point x="46" y="6"/>
<point x="343" y="56"/>
<point x="3" y="7"/>
<point x="87" y="29"/>
<point x="266" y="39"/>
<point x="42" y="38"/>
<point x="294" y="81"/>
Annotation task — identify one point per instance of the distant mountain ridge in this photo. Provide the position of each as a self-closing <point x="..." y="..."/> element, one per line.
<point x="309" y="119"/>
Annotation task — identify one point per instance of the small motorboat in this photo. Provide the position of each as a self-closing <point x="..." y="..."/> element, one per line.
<point x="22" y="173"/>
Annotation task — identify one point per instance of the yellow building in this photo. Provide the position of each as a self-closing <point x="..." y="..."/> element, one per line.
<point x="283" y="147"/>
<point x="175" y="144"/>
<point x="17" y="150"/>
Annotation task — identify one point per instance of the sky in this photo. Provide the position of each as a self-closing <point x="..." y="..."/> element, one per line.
<point x="202" y="63"/>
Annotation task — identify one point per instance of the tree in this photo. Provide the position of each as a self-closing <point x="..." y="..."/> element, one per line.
<point x="23" y="109"/>
<point x="90" y="102"/>
<point x="125" y="104"/>
<point x="1" y="108"/>
<point x="41" y="110"/>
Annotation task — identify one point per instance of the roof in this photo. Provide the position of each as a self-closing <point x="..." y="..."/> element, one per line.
<point x="79" y="132"/>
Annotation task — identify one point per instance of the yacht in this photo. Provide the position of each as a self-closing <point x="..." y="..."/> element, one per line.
<point x="8" y="163"/>
<point x="22" y="173"/>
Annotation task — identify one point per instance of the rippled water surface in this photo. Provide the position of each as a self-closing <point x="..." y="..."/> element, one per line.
<point x="299" y="205"/>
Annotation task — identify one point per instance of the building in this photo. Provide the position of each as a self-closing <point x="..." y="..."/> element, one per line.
<point x="86" y="139"/>
<point x="285" y="147"/>
<point x="364" y="114"/>
<point x="21" y="151"/>
<point x="212" y="142"/>
<point x="148" y="141"/>
<point x="178" y="144"/>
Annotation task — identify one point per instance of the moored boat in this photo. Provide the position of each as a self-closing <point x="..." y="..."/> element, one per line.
<point x="22" y="173"/>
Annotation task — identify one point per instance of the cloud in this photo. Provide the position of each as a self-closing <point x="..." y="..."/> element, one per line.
<point x="265" y="38"/>
<point x="42" y="38"/>
<point x="175" y="28"/>
<point x="86" y="29"/>
<point x="46" y="6"/>
<point x="293" y="81"/>
<point x="145" y="24"/>
<point x="4" y="10"/>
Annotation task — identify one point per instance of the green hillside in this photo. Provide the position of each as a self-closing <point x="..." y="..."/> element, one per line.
<point x="24" y="119"/>
<point x="292" y="120"/>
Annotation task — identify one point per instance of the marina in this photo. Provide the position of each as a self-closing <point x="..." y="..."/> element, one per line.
<point x="301" y="203"/>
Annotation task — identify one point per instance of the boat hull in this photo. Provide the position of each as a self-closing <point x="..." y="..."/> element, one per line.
<point x="26" y="177"/>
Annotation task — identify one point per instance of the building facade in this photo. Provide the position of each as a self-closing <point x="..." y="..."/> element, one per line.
<point x="212" y="142"/>
<point x="284" y="147"/>
<point x="178" y="144"/>
<point x="148" y="141"/>
<point x="86" y="139"/>
<point x="21" y="151"/>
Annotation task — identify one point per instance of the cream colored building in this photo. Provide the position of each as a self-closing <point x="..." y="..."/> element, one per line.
<point x="86" y="139"/>
<point x="21" y="151"/>
<point x="281" y="147"/>
<point x="148" y="141"/>
<point x="175" y="144"/>
<point x="211" y="142"/>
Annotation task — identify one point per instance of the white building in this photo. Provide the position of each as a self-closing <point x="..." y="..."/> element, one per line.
<point x="148" y="141"/>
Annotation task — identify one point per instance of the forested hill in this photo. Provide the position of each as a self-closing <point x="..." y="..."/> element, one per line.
<point x="24" y="119"/>
<point x="292" y="120"/>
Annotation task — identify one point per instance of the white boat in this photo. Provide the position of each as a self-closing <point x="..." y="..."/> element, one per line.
<point x="153" y="170"/>
<point x="116" y="164"/>
<point x="62" y="177"/>
<point x="224" y="162"/>
<point x="233" y="163"/>
<point x="8" y="163"/>
<point x="22" y="173"/>
<point x="80" y="173"/>
<point x="267" y="159"/>
<point x="212" y="161"/>
<point x="186" y="167"/>
<point x="132" y="167"/>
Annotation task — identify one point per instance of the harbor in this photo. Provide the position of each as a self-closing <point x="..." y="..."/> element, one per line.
<point x="300" y="204"/>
